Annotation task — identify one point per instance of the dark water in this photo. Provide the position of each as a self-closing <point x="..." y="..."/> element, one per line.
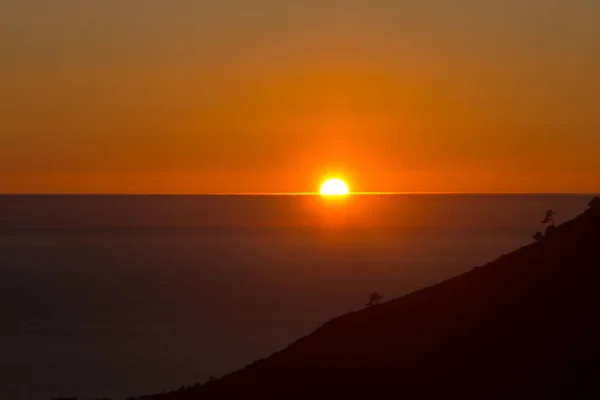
<point x="115" y="296"/>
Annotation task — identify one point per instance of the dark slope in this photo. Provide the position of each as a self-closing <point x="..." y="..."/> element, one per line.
<point x="524" y="326"/>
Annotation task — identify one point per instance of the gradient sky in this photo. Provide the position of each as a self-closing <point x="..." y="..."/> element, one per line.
<point x="198" y="96"/>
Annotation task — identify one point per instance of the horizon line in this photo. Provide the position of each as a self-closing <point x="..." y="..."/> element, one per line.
<point x="297" y="194"/>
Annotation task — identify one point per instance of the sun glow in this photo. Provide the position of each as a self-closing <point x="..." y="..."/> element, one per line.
<point x="334" y="187"/>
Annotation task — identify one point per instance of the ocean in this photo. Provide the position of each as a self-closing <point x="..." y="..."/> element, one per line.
<point x="112" y="296"/>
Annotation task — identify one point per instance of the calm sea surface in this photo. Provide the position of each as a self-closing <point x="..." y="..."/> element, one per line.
<point x="110" y="296"/>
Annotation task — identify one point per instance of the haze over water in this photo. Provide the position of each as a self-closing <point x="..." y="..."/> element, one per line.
<point x="123" y="295"/>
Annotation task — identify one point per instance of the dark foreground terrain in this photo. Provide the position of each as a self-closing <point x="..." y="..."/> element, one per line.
<point x="524" y="326"/>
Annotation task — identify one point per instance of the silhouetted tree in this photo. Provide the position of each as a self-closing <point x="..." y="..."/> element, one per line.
<point x="595" y="203"/>
<point x="374" y="299"/>
<point x="549" y="217"/>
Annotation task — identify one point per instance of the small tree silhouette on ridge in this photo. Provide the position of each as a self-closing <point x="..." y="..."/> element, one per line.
<point x="374" y="299"/>
<point x="548" y="220"/>
<point x="549" y="217"/>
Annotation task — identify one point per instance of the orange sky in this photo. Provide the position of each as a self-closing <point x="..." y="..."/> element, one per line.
<point x="214" y="97"/>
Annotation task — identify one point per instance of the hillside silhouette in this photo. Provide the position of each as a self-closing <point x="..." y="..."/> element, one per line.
<point x="524" y="326"/>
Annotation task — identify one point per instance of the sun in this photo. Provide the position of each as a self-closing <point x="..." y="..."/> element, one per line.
<point x="334" y="187"/>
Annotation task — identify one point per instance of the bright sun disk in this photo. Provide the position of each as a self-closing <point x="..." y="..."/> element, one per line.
<point x="334" y="187"/>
